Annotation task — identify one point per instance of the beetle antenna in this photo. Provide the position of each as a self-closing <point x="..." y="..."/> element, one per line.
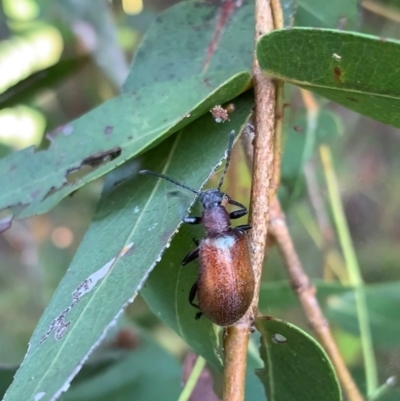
<point x="168" y="179"/>
<point x="228" y="158"/>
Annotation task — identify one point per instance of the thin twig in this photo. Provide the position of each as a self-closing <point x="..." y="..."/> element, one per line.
<point x="300" y="283"/>
<point x="236" y="340"/>
<point x="193" y="378"/>
<point x="353" y="269"/>
<point x="383" y="10"/>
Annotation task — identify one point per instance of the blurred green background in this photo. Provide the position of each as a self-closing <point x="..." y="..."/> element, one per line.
<point x="59" y="59"/>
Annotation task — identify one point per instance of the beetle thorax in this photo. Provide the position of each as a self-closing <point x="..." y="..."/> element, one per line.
<point x="216" y="220"/>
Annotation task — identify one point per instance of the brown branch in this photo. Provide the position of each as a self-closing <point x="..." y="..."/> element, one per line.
<point x="236" y="339"/>
<point x="237" y="336"/>
<point x="300" y="283"/>
<point x="263" y="159"/>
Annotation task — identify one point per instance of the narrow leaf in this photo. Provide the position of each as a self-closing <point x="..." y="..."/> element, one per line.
<point x="279" y="294"/>
<point x="295" y="365"/>
<point x="339" y="14"/>
<point x="135" y="220"/>
<point x="171" y="84"/>
<point x="132" y="377"/>
<point x="357" y="71"/>
<point x="383" y="311"/>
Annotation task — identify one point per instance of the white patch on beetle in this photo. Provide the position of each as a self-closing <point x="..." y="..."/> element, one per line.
<point x="224" y="242"/>
<point x="279" y="338"/>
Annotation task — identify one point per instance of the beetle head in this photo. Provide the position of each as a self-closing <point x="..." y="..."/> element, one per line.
<point x="212" y="198"/>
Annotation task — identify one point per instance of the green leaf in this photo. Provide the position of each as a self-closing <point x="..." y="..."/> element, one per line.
<point x="357" y="71"/>
<point x="339" y="306"/>
<point x="167" y="293"/>
<point x="135" y="220"/>
<point x="25" y="89"/>
<point x="167" y="289"/>
<point x="254" y="390"/>
<point x="340" y="14"/>
<point x="300" y="140"/>
<point x="295" y="365"/>
<point x="279" y="295"/>
<point x="174" y="79"/>
<point x="133" y="376"/>
<point x="87" y="372"/>
<point x="383" y="312"/>
<point x="6" y="377"/>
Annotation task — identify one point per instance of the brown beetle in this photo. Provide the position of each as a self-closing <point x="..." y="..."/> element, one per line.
<point x="225" y="286"/>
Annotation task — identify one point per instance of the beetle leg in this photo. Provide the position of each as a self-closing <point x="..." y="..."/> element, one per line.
<point x="192" y="294"/>
<point x="191" y="220"/>
<point x="243" y="227"/>
<point x="196" y="241"/>
<point x="192" y="255"/>
<point x="238" y="213"/>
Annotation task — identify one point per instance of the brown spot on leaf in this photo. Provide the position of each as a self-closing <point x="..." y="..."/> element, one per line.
<point x="297" y="128"/>
<point x="227" y="8"/>
<point x="337" y="74"/>
<point x="352" y="99"/>
<point x="267" y="317"/>
<point x="101" y="157"/>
